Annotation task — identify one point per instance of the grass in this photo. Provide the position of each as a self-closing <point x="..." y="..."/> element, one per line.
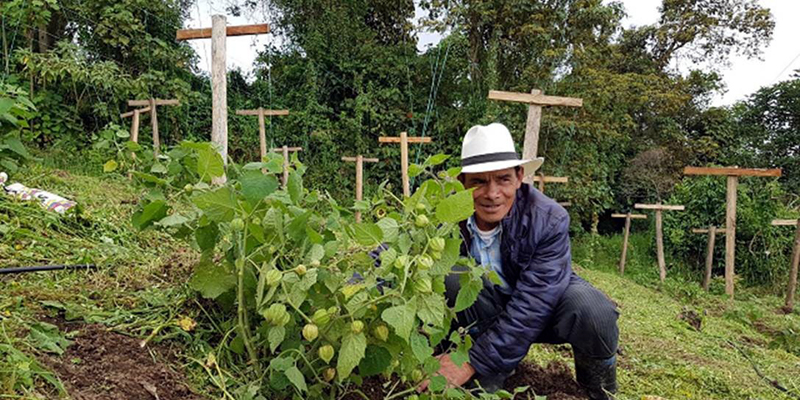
<point x="139" y="289"/>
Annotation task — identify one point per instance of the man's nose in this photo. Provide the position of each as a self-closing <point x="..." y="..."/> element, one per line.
<point x="492" y="190"/>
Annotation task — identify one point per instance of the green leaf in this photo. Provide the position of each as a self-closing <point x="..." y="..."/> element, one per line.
<point x="147" y="178"/>
<point x="350" y="354"/>
<point x="296" y="230"/>
<point x="206" y="236"/>
<point x="158" y="168"/>
<point x="133" y="146"/>
<point x="256" y="186"/>
<point x="281" y="363"/>
<point x="295" y="187"/>
<point x="453" y="172"/>
<point x="275" y="337"/>
<point x="438" y="383"/>
<point x="390" y="229"/>
<point x="376" y="360"/>
<point x="209" y="163"/>
<point x="468" y="293"/>
<point x="149" y="214"/>
<point x="435" y="160"/>
<point x="211" y="279"/>
<point x="420" y="347"/>
<point x="15" y="145"/>
<point x="172" y="220"/>
<point x="455" y="208"/>
<point x="315" y="253"/>
<point x="387" y="257"/>
<point x="110" y="166"/>
<point x="48" y="337"/>
<point x="430" y="308"/>
<point x="218" y="205"/>
<point x="414" y="170"/>
<point x="367" y="234"/>
<point x="460" y="356"/>
<point x="401" y="318"/>
<point x="296" y="377"/>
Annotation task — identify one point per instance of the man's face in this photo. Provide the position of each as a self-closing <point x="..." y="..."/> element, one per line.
<point x="494" y="194"/>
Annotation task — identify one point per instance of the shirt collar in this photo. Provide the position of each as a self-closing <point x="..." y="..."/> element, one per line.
<point x="473" y="228"/>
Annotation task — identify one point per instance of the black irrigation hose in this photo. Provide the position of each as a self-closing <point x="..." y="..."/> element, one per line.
<point x="37" y="268"/>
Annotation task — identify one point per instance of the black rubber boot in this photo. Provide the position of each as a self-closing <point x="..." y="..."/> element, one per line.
<point x="597" y="376"/>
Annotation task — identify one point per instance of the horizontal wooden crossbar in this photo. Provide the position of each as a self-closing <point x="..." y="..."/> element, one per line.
<point x="731" y="171"/>
<point x="551" y="179"/>
<point x="719" y="231"/>
<point x="784" y="222"/>
<point x="354" y="159"/>
<point x="259" y="110"/>
<point x="159" y="102"/>
<point x="280" y="149"/>
<point x="662" y="207"/>
<point x="633" y="216"/>
<point x="130" y="113"/>
<point x="205" y="33"/>
<point x="535" y="99"/>
<point x="396" y="139"/>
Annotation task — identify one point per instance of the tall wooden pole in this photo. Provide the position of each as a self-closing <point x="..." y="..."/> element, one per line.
<point x="359" y="160"/>
<point x="625" y="244"/>
<point x="730" y="237"/>
<point x="531" y="144"/>
<point x="262" y="133"/>
<point x="219" y="91"/>
<point x="712" y="236"/>
<point x="662" y="265"/>
<point x="285" y="150"/>
<point x="793" y="273"/>
<point x="404" y="163"/>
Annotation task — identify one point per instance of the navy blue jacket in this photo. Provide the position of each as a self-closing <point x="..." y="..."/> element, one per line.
<point x="537" y="265"/>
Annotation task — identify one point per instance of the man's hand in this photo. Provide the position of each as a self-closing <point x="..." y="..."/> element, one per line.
<point x="455" y="375"/>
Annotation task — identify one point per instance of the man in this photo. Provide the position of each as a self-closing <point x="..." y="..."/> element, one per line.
<point x="524" y="236"/>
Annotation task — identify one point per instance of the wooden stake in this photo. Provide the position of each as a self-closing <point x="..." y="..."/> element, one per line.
<point x="658" y="208"/>
<point x="627" y="230"/>
<point x="262" y="132"/>
<point x="151" y="107"/>
<point x="359" y="160"/>
<point x="285" y="150"/>
<point x="792" y="285"/>
<point x="535" y="100"/>
<point x="404" y="140"/>
<point x="712" y="232"/>
<point x="154" y="126"/>
<point x="542" y="179"/>
<point x="219" y="94"/>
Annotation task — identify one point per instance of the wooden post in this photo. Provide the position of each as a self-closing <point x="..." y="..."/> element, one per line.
<point x="404" y="140"/>
<point x="151" y="106"/>
<point x="359" y="160"/>
<point x="792" y="285"/>
<point x="535" y="100"/>
<point x="542" y="179"/>
<point x="733" y="174"/>
<point x="712" y="232"/>
<point x="285" y="150"/>
<point x="219" y="96"/>
<point x="262" y="132"/>
<point x="658" y="208"/>
<point x="627" y="231"/>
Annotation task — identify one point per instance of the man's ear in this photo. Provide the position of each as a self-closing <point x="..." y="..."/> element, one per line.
<point x="520" y="174"/>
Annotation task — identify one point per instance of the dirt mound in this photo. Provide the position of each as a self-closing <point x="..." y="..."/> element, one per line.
<point x="555" y="382"/>
<point x="102" y="365"/>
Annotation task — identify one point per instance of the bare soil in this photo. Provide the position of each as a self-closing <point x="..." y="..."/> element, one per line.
<point x="103" y="365"/>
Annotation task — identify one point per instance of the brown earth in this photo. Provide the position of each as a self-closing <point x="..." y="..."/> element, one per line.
<point x="102" y="365"/>
<point x="555" y="382"/>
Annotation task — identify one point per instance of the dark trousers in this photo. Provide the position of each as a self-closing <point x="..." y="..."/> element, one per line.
<point x="584" y="317"/>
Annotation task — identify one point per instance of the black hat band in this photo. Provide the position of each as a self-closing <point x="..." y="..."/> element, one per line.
<point x="490" y="157"/>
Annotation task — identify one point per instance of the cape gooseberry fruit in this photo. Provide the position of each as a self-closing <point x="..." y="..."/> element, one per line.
<point x="436" y="244"/>
<point x="329" y="374"/>
<point x="273" y="277"/>
<point x="421" y="221"/>
<point x="321" y="317"/>
<point x="416" y="375"/>
<point x="310" y="332"/>
<point x="188" y="188"/>
<point x="421" y="206"/>
<point x="237" y="224"/>
<point x="300" y="269"/>
<point x="425" y="262"/>
<point x="326" y="353"/>
<point x="357" y="326"/>
<point x="381" y="332"/>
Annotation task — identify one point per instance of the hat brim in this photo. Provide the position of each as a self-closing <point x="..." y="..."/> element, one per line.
<point x="530" y="166"/>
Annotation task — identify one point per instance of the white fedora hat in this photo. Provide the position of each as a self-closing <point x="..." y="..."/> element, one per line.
<point x="491" y="148"/>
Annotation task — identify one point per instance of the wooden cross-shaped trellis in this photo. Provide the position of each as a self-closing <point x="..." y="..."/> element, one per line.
<point x="262" y="131"/>
<point x="628" y="217"/>
<point x="541" y="179"/>
<point x="218" y="33"/>
<point x="792" y="286"/>
<point x="404" y="140"/>
<point x="733" y="174"/>
<point x="712" y="233"/>
<point x="285" y="150"/>
<point x="151" y="106"/>
<point x="535" y="100"/>
<point x="659" y="208"/>
<point x="359" y="160"/>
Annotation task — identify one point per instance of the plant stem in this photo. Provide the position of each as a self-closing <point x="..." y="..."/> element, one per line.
<point x="244" y="327"/>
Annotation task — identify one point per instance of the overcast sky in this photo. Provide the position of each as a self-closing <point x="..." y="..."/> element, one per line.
<point x="743" y="77"/>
